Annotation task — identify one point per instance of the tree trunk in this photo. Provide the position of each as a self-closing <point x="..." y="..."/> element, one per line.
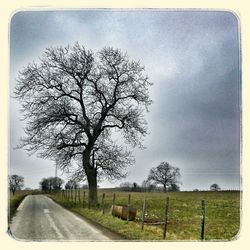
<point x="92" y="181"/>
<point x="91" y="174"/>
<point x="164" y="188"/>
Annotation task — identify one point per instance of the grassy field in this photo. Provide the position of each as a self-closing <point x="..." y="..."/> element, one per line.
<point x="222" y="220"/>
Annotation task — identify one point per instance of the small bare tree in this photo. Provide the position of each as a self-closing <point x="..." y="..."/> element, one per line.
<point x="16" y="182"/>
<point x="164" y="174"/>
<point x="73" y="101"/>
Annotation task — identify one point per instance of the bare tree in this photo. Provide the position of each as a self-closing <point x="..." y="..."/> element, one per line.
<point x="215" y="187"/>
<point x="72" y="184"/>
<point x="51" y="183"/>
<point x="44" y="184"/>
<point x="73" y="100"/>
<point x="57" y="183"/>
<point x="164" y="174"/>
<point x="16" y="182"/>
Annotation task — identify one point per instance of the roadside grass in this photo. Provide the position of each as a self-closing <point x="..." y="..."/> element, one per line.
<point x="128" y="230"/>
<point x="222" y="221"/>
<point x="14" y="202"/>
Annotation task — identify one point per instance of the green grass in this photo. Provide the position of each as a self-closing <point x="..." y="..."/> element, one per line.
<point x="14" y="201"/>
<point x="222" y="214"/>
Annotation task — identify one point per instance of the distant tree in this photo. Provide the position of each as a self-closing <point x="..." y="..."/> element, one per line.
<point x="195" y="190"/>
<point x="72" y="184"/>
<point x="164" y="174"/>
<point x="174" y="187"/>
<point x="135" y="187"/>
<point x="126" y="186"/>
<point x="44" y="184"/>
<point x="148" y="186"/>
<point x="73" y="100"/>
<point x="152" y="187"/>
<point x="215" y="187"/>
<point x="144" y="185"/>
<point x="57" y="183"/>
<point x="16" y="182"/>
<point x="51" y="183"/>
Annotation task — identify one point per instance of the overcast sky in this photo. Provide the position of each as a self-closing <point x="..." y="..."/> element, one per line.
<point x="193" y="60"/>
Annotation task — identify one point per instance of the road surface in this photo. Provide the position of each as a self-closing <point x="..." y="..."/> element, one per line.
<point x="39" y="218"/>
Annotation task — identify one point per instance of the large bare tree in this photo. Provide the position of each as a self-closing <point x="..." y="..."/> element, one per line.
<point x="164" y="174"/>
<point x="74" y="99"/>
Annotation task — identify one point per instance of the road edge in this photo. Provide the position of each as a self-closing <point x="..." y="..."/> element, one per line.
<point x="114" y="236"/>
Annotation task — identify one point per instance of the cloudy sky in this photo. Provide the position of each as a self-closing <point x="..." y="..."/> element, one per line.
<point x="193" y="60"/>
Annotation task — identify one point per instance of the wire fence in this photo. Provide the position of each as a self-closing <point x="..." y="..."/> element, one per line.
<point x="201" y="216"/>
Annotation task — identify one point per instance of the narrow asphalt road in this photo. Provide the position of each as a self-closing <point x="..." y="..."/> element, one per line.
<point x="39" y="218"/>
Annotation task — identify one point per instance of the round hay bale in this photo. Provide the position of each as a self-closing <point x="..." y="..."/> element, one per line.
<point x="121" y="211"/>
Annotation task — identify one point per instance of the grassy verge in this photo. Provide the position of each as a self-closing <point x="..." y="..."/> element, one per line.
<point x="128" y="230"/>
<point x="14" y="202"/>
<point x="222" y="215"/>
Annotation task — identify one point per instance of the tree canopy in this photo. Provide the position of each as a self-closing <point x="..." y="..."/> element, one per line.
<point x="72" y="184"/>
<point x="16" y="182"/>
<point x="74" y="100"/>
<point x="215" y="187"/>
<point x="166" y="175"/>
<point x="51" y="183"/>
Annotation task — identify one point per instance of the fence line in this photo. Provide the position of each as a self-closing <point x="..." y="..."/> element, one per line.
<point x="165" y="218"/>
<point x="128" y="210"/>
<point x="144" y="208"/>
<point x="203" y="214"/>
<point x="143" y="213"/>
<point x="103" y="197"/>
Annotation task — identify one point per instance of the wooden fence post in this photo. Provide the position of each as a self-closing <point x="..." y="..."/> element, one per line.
<point x="88" y="201"/>
<point x="128" y="210"/>
<point x="83" y="200"/>
<point x="103" y="197"/>
<point x="75" y="191"/>
<point x="114" y="199"/>
<point x="143" y="214"/>
<point x="165" y="218"/>
<point x="79" y="195"/>
<point x="203" y="214"/>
